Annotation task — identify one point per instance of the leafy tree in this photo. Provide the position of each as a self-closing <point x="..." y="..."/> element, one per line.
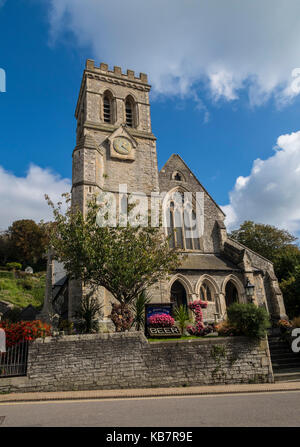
<point x="123" y="259"/>
<point x="6" y="248"/>
<point x="286" y="261"/>
<point x="266" y="240"/>
<point x="28" y="241"/>
<point x="277" y="246"/>
<point x="291" y="291"/>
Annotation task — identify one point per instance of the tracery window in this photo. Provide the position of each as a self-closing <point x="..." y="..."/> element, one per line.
<point x="205" y="292"/>
<point x="182" y="226"/>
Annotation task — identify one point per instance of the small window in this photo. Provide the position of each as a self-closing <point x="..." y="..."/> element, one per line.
<point x="107" y="109"/>
<point x="177" y="176"/>
<point x="129" y="109"/>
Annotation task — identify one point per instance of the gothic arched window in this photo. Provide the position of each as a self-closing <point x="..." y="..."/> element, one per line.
<point x="107" y="107"/>
<point x="182" y="224"/>
<point x="130" y="112"/>
<point x="205" y="292"/>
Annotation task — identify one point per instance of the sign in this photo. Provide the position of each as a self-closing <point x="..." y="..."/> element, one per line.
<point x="160" y="332"/>
<point x="168" y="332"/>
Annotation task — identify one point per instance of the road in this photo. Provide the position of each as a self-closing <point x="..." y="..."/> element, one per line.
<point x="281" y="409"/>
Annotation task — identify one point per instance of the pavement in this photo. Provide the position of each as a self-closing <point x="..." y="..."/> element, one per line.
<point x="150" y="392"/>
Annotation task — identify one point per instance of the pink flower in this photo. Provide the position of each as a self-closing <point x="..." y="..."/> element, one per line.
<point x="161" y="320"/>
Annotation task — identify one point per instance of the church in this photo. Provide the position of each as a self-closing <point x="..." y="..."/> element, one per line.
<point x="115" y="146"/>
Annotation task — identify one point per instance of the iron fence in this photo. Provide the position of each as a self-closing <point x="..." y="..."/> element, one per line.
<point x="13" y="362"/>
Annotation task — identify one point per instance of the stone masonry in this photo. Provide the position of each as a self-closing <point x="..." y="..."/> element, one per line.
<point x="116" y="361"/>
<point x="215" y="268"/>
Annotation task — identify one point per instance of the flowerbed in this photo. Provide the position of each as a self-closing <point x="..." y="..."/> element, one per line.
<point x="161" y="320"/>
<point x="24" y="330"/>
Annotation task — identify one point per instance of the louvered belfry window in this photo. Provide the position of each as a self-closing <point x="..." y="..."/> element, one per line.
<point x="129" y="112"/>
<point x="107" y="109"/>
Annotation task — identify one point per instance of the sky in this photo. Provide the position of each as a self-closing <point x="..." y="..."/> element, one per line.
<point x="225" y="95"/>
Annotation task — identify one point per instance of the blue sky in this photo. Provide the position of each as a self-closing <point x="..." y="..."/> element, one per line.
<point x="222" y="97"/>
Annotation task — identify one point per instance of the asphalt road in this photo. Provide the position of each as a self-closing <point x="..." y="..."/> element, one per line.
<point x="280" y="409"/>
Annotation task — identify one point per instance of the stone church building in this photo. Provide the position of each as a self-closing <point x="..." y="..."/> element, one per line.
<point x="115" y="145"/>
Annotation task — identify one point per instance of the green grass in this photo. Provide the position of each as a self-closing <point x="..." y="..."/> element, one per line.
<point x="183" y="338"/>
<point x="22" y="292"/>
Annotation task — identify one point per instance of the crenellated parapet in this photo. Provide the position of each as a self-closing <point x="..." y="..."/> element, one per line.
<point x="116" y="73"/>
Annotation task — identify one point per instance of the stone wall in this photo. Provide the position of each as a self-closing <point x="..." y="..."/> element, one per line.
<point x="114" y="361"/>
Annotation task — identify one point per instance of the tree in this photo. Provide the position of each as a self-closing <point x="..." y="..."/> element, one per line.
<point x="286" y="261"/>
<point x="123" y="259"/>
<point x="6" y="249"/>
<point x="29" y="241"/>
<point x="291" y="291"/>
<point x="266" y="240"/>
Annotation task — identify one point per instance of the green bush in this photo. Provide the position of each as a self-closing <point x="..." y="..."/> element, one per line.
<point x="248" y="319"/>
<point x="14" y="266"/>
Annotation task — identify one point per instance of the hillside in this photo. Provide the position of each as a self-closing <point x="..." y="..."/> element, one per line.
<point x="22" y="291"/>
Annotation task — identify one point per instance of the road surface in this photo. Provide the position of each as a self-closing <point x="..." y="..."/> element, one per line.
<point x="281" y="409"/>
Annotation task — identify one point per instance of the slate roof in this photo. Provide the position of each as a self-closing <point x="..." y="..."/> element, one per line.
<point x="207" y="261"/>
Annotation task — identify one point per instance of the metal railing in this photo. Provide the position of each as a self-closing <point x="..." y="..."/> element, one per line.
<point x="13" y="362"/>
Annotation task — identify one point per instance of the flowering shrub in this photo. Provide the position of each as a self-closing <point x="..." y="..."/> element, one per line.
<point x="161" y="320"/>
<point x="199" y="329"/>
<point x="225" y="329"/>
<point x="121" y="316"/>
<point x="24" y="330"/>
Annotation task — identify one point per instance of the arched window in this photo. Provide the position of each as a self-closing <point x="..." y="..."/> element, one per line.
<point x="182" y="224"/>
<point x="205" y="292"/>
<point x="129" y="110"/>
<point x="107" y="107"/>
<point x="177" y="176"/>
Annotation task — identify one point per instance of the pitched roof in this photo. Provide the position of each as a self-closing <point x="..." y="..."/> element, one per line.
<point x="207" y="261"/>
<point x="183" y="162"/>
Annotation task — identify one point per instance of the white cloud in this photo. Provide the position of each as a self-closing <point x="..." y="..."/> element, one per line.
<point x="271" y="193"/>
<point x="228" y="45"/>
<point x="23" y="197"/>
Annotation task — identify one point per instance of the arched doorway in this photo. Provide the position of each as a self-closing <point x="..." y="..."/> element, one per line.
<point x="178" y="294"/>
<point x="231" y="294"/>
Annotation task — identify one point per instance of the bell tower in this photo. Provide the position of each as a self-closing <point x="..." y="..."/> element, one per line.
<point x="114" y="140"/>
<point x="114" y="145"/>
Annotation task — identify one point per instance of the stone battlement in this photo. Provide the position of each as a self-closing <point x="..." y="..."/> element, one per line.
<point x="116" y="72"/>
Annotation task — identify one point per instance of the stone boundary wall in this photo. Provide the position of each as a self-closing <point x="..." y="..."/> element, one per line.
<point x="115" y="361"/>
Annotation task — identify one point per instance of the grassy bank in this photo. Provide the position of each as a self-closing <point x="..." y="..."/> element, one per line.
<point x="22" y="291"/>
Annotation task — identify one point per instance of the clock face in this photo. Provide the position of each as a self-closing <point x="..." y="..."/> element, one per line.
<point x="122" y="145"/>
